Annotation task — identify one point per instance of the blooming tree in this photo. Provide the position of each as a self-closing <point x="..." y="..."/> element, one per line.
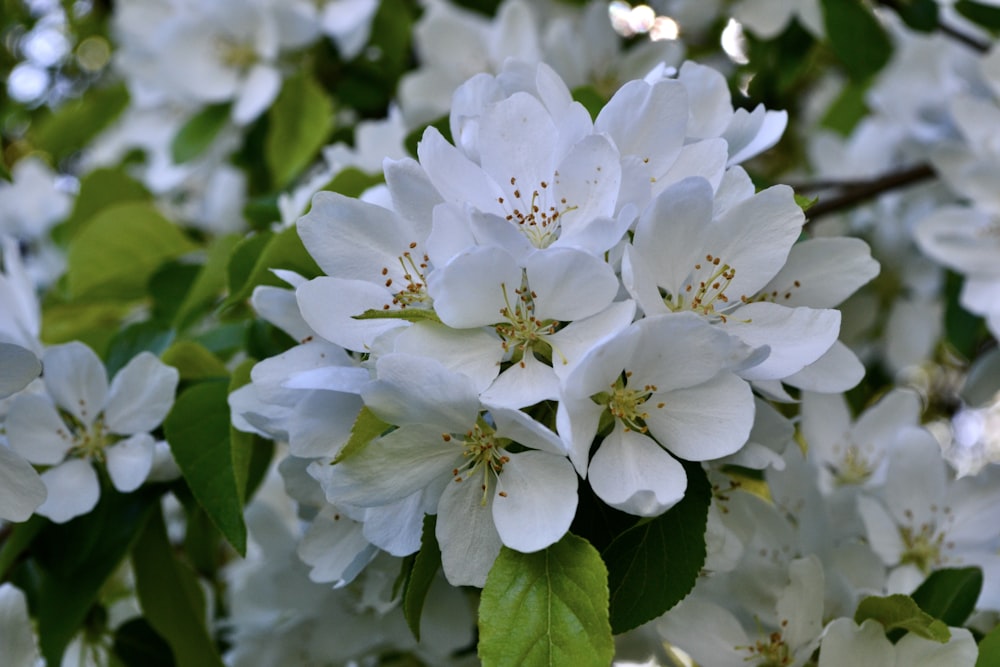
<point x="363" y="332"/>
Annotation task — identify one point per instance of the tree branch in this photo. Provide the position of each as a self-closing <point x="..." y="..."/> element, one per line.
<point x="949" y="30"/>
<point x="852" y="193"/>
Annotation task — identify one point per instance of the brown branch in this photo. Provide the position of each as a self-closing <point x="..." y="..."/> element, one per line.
<point x="854" y="193"/>
<point x="949" y="30"/>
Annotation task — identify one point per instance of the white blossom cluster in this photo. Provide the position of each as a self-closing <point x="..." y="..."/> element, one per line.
<point x="546" y="284"/>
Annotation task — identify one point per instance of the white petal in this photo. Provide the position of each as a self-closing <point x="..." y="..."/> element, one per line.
<point x="417" y="390"/>
<point x="396" y="527"/>
<point x="333" y="545"/>
<point x="277" y="305"/>
<point x="475" y="353"/>
<point x="959" y="651"/>
<point x="589" y="179"/>
<point x="839" y="369"/>
<point x="20" y="644"/>
<point x="517" y="140"/>
<point x="321" y="423"/>
<point x="570" y="344"/>
<point x="535" y="500"/>
<point x="392" y="467"/>
<point x="141" y="395"/>
<point x="569" y="284"/>
<point x="76" y="380"/>
<point x="647" y="121"/>
<point x="706" y="631"/>
<point x="474" y="288"/>
<point x="18" y="367"/>
<point x="259" y="89"/>
<point x="525" y="383"/>
<point x="800" y="604"/>
<point x="704" y="422"/>
<point x="825" y="420"/>
<point x="329" y="305"/>
<point x="465" y="530"/>
<point x="36" y="431"/>
<point x="130" y="461"/>
<point x="883" y="534"/>
<point x="822" y="272"/>
<point x="21" y="489"/>
<point x="797" y="336"/>
<point x="523" y="429"/>
<point x="632" y="473"/>
<point x="355" y="240"/>
<point x="458" y="179"/>
<point x="73" y="490"/>
<point x="844" y="643"/>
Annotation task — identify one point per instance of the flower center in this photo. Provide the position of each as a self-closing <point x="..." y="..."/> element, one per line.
<point x="88" y="443"/>
<point x="483" y="453"/>
<point x="771" y="651"/>
<point x="236" y="53"/>
<point x="628" y="404"/>
<point x="522" y="331"/>
<point x="705" y="286"/>
<point x="853" y="468"/>
<point x="409" y="282"/>
<point x="537" y="217"/>
<point x="922" y="547"/>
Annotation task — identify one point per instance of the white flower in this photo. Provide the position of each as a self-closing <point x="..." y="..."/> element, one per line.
<point x="925" y="520"/>
<point x="31" y="203"/>
<point x="83" y="420"/>
<point x="713" y="635"/>
<point x="21" y="489"/>
<point x="968" y="241"/>
<point x="768" y="18"/>
<point x="976" y="438"/>
<point x="445" y="446"/>
<point x="846" y="644"/>
<point x="719" y="263"/>
<point x="857" y="453"/>
<point x="665" y="383"/>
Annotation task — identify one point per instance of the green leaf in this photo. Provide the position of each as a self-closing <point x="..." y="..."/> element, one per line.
<point x="442" y="125"/>
<point x="100" y="189"/>
<point x="425" y="567"/>
<point x="197" y="429"/>
<point x="194" y="362"/>
<point x="950" y="595"/>
<point x="963" y="330"/>
<point x="847" y="110"/>
<point x="171" y="598"/>
<point x="592" y="100"/>
<point x="135" y="338"/>
<point x="351" y="182"/>
<point x="652" y="566"/>
<point x="210" y="283"/>
<point x="900" y="611"/>
<point x="198" y="133"/>
<point x="856" y="37"/>
<point x="366" y="428"/>
<point x="989" y="649"/>
<point x="136" y="644"/>
<point x="74" y="124"/>
<point x="986" y="15"/>
<point x="17" y="542"/>
<point x="92" y="323"/>
<point x="299" y="122"/>
<point x="115" y="253"/>
<point x="410" y="315"/>
<point x="805" y="203"/>
<point x="76" y="558"/>
<point x="546" y="608"/>
<point x="253" y="259"/>
<point x="920" y="15"/>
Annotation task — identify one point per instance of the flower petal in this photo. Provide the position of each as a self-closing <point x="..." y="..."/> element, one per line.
<point x="73" y="490"/>
<point x="18" y="367"/>
<point x="36" y="431"/>
<point x="76" y="380"/>
<point x="21" y="489"/>
<point x="130" y="461"/>
<point x="632" y="473"/>
<point x="535" y="500"/>
<point x="465" y="530"/>
<point x="141" y="395"/>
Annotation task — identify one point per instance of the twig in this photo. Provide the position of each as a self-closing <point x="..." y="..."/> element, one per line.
<point x="949" y="30"/>
<point x="853" y="193"/>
